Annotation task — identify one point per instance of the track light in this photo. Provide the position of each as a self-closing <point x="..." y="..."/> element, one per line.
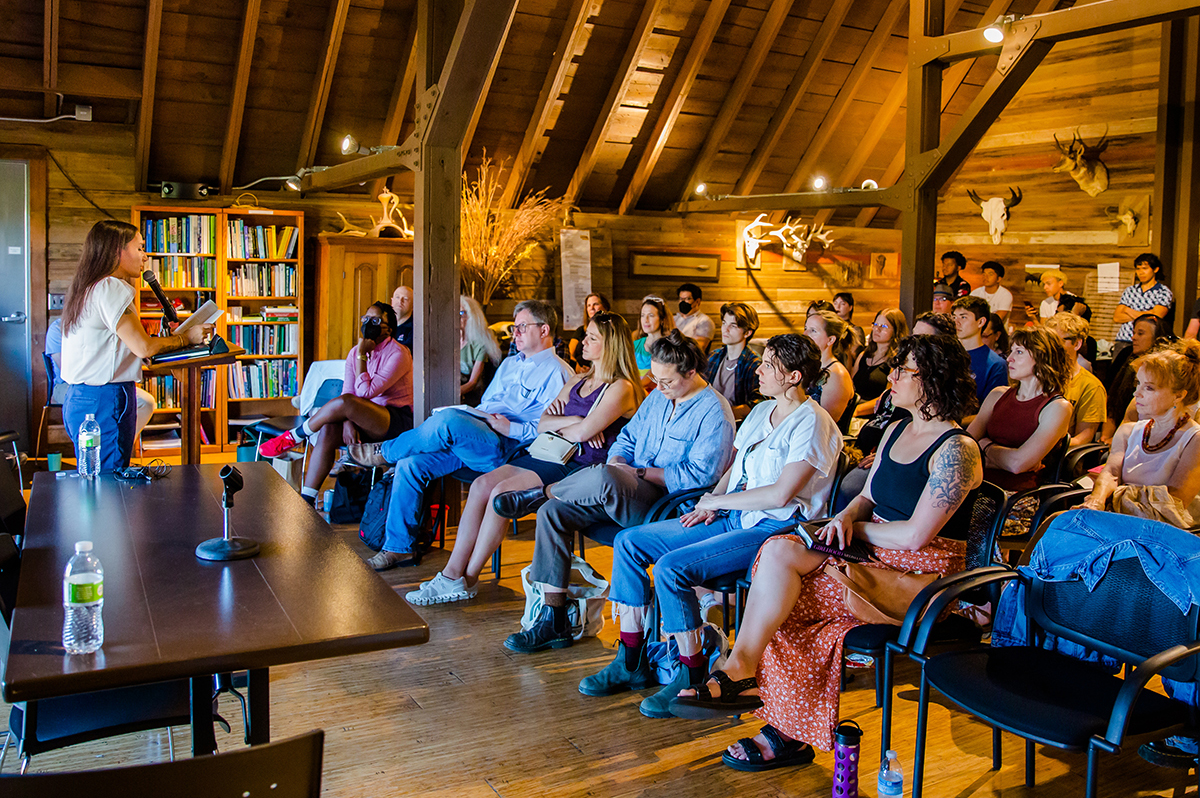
<point x="702" y="189"/>
<point x="818" y="183"/>
<point x="869" y="185"/>
<point x="996" y="32"/>
<point x="351" y="146"/>
<point x="293" y="182"/>
<point x="263" y="180"/>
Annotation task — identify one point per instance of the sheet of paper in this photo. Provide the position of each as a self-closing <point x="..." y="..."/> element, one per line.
<point x="205" y="314"/>
<point x="465" y="408"/>
<point x="1108" y="278"/>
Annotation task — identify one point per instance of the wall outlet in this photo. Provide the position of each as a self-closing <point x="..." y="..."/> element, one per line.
<point x="57" y="301"/>
<point x="83" y="113"/>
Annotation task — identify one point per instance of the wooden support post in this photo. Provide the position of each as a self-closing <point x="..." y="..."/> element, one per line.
<point x="50" y="57"/>
<point x="141" y="156"/>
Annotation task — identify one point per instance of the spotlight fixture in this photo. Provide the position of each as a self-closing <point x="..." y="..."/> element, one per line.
<point x="702" y="189"/>
<point x="262" y="180"/>
<point x="293" y="182"/>
<point x="996" y="32"/>
<point x="351" y="146"/>
<point x="869" y="185"/>
<point x="818" y="183"/>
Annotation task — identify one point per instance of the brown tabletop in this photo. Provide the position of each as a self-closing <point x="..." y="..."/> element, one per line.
<point x="168" y="614"/>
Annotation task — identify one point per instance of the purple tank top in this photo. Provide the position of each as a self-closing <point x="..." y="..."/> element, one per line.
<point x="578" y="405"/>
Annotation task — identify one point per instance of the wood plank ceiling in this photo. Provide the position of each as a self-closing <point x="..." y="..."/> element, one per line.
<point x="624" y="105"/>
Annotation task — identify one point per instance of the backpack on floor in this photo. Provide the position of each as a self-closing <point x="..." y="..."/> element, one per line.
<point x="374" y="513"/>
<point x="350" y="496"/>
<point x="586" y="597"/>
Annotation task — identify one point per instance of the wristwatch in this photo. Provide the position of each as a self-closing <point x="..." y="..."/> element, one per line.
<point x="641" y="473"/>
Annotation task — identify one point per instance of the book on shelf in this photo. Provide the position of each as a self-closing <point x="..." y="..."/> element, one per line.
<point x="282" y="313"/>
<point x="267" y="339"/>
<point x="262" y="279"/>
<point x="178" y="271"/>
<point x="263" y="379"/>
<point x="262" y="241"/>
<point x="168" y="391"/>
<point x="189" y="233"/>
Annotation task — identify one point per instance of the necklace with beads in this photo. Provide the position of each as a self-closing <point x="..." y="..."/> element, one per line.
<point x="1165" y="442"/>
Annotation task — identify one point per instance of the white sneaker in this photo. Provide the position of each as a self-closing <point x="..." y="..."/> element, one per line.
<point x="708" y="602"/>
<point x="442" y="590"/>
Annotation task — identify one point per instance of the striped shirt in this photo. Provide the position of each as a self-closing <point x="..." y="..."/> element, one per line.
<point x="1135" y="298"/>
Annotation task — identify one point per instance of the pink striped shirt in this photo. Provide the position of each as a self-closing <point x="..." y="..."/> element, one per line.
<point x="387" y="379"/>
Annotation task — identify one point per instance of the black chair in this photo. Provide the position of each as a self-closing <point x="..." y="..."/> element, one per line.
<point x="51" y="378"/>
<point x="285" y="769"/>
<point x="1081" y="459"/>
<point x="53" y="723"/>
<point x="1054" y="699"/>
<point x="1039" y="495"/>
<point x="12" y="504"/>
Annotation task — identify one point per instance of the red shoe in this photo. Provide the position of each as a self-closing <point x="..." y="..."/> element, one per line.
<point x="279" y="445"/>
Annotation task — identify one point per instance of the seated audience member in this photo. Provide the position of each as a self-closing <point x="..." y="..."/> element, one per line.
<point x="1147" y="295"/>
<point x="871" y="369"/>
<point x="998" y="297"/>
<point x="680" y="438"/>
<point x="655" y="323"/>
<point x="843" y="306"/>
<point x="1192" y="331"/>
<point x="833" y="388"/>
<point x="590" y="410"/>
<point x="1079" y="307"/>
<point x="1054" y="284"/>
<point x="995" y="335"/>
<point x="1148" y="332"/>
<point x="953" y="263"/>
<point x="375" y="405"/>
<point x="818" y="305"/>
<point x="786" y="459"/>
<point x="786" y="663"/>
<point x="942" y="298"/>
<point x="970" y="315"/>
<point x="733" y="369"/>
<point x="1153" y="463"/>
<point x="690" y="320"/>
<point x="930" y="323"/>
<point x="402" y="304"/>
<point x="477" y="350"/>
<point x="592" y="304"/>
<point x="451" y="439"/>
<point x="1084" y="391"/>
<point x="1018" y="427"/>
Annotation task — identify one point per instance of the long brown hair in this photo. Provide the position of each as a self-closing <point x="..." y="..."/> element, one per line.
<point x="899" y="324"/>
<point x="1049" y="357"/>
<point x="618" y="361"/>
<point x="101" y="252"/>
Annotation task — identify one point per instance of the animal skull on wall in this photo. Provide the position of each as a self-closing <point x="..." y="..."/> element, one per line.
<point x="995" y="212"/>
<point x="793" y="239"/>
<point x="1083" y="163"/>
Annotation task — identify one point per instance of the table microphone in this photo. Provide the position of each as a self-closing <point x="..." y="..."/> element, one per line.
<point x="169" y="314"/>
<point x="228" y="547"/>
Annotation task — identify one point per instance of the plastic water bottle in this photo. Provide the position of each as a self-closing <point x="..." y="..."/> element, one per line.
<point x="83" y="601"/>
<point x="891" y="776"/>
<point x="89" y="447"/>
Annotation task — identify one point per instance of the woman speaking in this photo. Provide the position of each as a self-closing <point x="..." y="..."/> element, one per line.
<point x="104" y="341"/>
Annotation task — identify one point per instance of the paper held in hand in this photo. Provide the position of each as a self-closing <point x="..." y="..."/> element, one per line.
<point x="208" y="313"/>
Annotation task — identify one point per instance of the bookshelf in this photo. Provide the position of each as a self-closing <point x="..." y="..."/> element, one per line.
<point x="250" y="262"/>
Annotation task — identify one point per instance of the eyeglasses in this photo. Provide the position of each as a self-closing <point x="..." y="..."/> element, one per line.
<point x="520" y="328"/>
<point x="462" y="313"/>
<point x="881" y="325"/>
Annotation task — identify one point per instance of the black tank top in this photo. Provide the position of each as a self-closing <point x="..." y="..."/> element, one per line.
<point x="897" y="487"/>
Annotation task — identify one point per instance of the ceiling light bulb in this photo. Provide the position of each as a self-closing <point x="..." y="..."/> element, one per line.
<point x="702" y="189"/>
<point x="293" y="183"/>
<point x="994" y="34"/>
<point x="819" y="183"/>
<point x="349" y="145"/>
<point x="869" y="184"/>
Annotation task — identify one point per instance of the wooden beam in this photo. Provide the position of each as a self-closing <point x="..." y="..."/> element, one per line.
<point x="149" y="77"/>
<point x="237" y="104"/>
<point x="854" y="82"/>
<point x="402" y="93"/>
<point x="20" y="74"/>
<point x="673" y="104"/>
<point x="893" y="197"/>
<point x="469" y="133"/>
<point x="319" y="98"/>
<point x="813" y="58"/>
<point x="616" y="93"/>
<point x="777" y="14"/>
<point x="50" y="19"/>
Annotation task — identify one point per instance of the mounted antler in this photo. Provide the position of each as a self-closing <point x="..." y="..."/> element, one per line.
<point x="1083" y="163"/>
<point x="975" y="198"/>
<point x="1015" y="198"/>
<point x="1122" y="217"/>
<point x="995" y="211"/>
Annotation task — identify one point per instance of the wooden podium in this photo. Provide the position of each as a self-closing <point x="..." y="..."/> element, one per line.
<point x="189" y="429"/>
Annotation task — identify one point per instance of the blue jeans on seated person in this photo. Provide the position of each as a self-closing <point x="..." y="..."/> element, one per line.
<point x="115" y="408"/>
<point x="446" y="442"/>
<point x="683" y="558"/>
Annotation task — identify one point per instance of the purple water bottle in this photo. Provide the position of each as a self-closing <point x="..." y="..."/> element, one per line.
<point x="846" y="739"/>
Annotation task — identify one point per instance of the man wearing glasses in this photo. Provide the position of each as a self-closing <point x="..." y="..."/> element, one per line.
<point x="453" y="438"/>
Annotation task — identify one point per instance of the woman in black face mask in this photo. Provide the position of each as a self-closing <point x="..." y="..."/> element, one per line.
<point x="375" y="405"/>
<point x="690" y="320"/>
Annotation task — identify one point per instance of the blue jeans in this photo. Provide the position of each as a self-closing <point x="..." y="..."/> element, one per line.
<point x="115" y="408"/>
<point x="447" y="441"/>
<point x="683" y="557"/>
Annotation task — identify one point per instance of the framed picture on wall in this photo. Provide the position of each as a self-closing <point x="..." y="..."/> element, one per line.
<point x="689" y="265"/>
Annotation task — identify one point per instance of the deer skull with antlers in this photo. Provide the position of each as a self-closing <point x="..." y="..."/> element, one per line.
<point x="1122" y="217"/>
<point x="995" y="211"/>
<point x="1083" y="163"/>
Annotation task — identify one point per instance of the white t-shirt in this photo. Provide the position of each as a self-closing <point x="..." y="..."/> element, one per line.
<point x="92" y="354"/>
<point x="1048" y="308"/>
<point x="695" y="325"/>
<point x="999" y="301"/>
<point x="809" y="434"/>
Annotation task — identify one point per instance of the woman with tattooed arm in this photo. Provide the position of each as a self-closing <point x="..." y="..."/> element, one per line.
<point x="787" y="660"/>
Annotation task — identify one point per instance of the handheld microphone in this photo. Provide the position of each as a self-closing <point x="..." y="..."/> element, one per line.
<point x="169" y="314"/>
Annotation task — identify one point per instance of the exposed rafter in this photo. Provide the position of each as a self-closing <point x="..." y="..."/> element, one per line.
<point x="86" y="80"/>
<point x="568" y="43"/>
<point x="665" y="122"/>
<point x="402" y="93"/>
<point x="796" y="90"/>
<point x="616" y="93"/>
<point x="237" y="102"/>
<point x="50" y="56"/>
<point x="319" y="98"/>
<point x="759" y="50"/>
<point x="149" y="76"/>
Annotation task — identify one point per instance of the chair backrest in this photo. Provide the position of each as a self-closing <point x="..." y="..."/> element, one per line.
<point x="10" y="572"/>
<point x="843" y="468"/>
<point x="51" y="378"/>
<point x="12" y="501"/>
<point x="285" y="769"/>
<point x="1053" y="460"/>
<point x="1081" y="459"/>
<point x="330" y="389"/>
<point x="1112" y="617"/>
<point x="314" y="378"/>
<point x="986" y="502"/>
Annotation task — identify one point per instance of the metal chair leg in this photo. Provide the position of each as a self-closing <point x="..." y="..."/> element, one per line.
<point x="41" y="433"/>
<point x="1093" y="760"/>
<point x="885" y="730"/>
<point x="4" y="751"/>
<point x="25" y="763"/>
<point x="996" y="748"/>
<point x="922" y="721"/>
<point x="1030" y="756"/>
<point x="17" y="457"/>
<point x="878" y="684"/>
<point x="170" y="744"/>
<point x="496" y="563"/>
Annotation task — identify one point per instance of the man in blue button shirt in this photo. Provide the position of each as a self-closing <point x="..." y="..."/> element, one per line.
<point x="680" y="438"/>
<point x="454" y="437"/>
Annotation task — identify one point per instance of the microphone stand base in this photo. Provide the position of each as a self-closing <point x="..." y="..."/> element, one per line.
<point x="220" y="549"/>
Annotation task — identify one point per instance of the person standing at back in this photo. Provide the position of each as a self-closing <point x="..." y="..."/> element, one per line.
<point x="998" y="297"/>
<point x="1147" y="295"/>
<point x="402" y="303"/>
<point x="690" y="320"/>
<point x="953" y="263"/>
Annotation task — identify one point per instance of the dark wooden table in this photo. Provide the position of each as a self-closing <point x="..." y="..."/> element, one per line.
<point x="169" y="615"/>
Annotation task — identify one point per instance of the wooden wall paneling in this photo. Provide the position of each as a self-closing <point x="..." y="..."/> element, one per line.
<point x="50" y="58"/>
<point x="776" y="15"/>
<point x="612" y="103"/>
<point x="237" y="104"/>
<point x="154" y="10"/>
<point x="402" y="94"/>
<point x="810" y="67"/>
<point x="352" y="273"/>
<point x="665" y="121"/>
<point x="319" y="98"/>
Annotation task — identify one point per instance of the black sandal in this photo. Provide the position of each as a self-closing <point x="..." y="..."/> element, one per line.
<point x="787" y="753"/>
<point x="730" y="702"/>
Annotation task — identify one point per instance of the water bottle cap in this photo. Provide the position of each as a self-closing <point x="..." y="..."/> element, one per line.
<point x="82" y="546"/>
<point x="90" y="417"/>
<point x="891" y="754"/>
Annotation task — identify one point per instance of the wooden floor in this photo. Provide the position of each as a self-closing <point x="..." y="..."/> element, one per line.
<point x="461" y="716"/>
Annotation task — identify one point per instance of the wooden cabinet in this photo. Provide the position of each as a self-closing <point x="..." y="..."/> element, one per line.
<point x="353" y="272"/>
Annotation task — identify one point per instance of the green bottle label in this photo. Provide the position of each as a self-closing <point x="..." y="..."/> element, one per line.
<point x="87" y="439"/>
<point x="84" y="592"/>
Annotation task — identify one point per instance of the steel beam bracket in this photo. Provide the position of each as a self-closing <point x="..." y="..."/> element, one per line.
<point x="1020" y="35"/>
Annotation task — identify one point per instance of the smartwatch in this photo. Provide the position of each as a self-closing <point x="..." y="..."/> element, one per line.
<point x="641" y="473"/>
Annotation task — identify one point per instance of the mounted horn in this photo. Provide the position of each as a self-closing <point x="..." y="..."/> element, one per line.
<point x="975" y="198"/>
<point x="1014" y="198"/>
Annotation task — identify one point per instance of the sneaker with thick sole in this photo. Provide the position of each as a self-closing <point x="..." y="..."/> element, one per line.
<point x="368" y="454"/>
<point x="278" y="445"/>
<point x="541" y="635"/>
<point x="442" y="590"/>
<point x="616" y="678"/>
